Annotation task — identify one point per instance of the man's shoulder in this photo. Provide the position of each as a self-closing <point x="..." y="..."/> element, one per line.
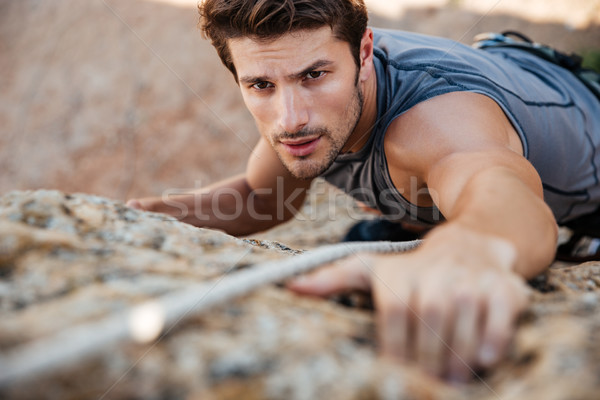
<point x="440" y="126"/>
<point x="392" y="42"/>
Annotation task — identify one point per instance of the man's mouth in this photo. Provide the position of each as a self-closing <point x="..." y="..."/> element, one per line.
<point x="301" y="147"/>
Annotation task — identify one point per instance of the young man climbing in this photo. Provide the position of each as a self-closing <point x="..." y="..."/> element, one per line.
<point x="493" y="147"/>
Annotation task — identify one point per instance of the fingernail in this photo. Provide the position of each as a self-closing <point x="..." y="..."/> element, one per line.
<point x="133" y="204"/>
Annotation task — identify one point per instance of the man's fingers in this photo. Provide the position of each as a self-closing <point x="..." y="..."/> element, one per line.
<point x="466" y="337"/>
<point x="448" y="322"/>
<point x="134" y="203"/>
<point x="504" y="305"/>
<point x="394" y="320"/>
<point x="432" y="323"/>
<point x="345" y="275"/>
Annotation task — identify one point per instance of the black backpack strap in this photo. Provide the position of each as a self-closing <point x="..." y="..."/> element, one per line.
<point x="571" y="62"/>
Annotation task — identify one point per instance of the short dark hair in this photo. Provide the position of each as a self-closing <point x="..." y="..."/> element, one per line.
<point x="221" y="20"/>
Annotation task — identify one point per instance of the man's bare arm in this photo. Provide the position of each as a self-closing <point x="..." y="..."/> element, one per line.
<point x="458" y="296"/>
<point x="450" y="305"/>
<point x="479" y="178"/>
<point x="264" y="196"/>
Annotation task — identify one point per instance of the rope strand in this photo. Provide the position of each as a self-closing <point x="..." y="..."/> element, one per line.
<point x="145" y="322"/>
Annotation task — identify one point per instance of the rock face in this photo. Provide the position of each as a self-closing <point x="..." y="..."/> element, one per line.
<point x="68" y="261"/>
<point x="125" y="99"/>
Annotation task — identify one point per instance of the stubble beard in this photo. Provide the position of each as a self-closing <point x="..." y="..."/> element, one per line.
<point x="306" y="168"/>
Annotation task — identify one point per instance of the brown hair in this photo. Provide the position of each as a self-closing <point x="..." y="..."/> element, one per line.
<point x="221" y="20"/>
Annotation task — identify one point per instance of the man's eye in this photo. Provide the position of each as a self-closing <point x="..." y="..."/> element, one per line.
<point x="315" y="74"/>
<point x="261" y="85"/>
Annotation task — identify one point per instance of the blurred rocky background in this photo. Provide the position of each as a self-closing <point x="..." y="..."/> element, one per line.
<point x="125" y="99"/>
<point x="121" y="99"/>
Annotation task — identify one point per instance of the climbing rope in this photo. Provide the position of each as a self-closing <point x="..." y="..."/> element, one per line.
<point x="143" y="323"/>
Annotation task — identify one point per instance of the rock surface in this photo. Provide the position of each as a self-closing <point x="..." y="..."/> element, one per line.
<point x="124" y="99"/>
<point x="70" y="260"/>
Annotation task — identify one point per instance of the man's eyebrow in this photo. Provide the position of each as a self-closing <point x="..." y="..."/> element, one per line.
<point x="253" y="79"/>
<point x="316" y="65"/>
<point x="262" y="78"/>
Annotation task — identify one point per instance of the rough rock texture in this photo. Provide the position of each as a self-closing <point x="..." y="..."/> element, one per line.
<point x="71" y="259"/>
<point x="67" y="260"/>
<point x="123" y="99"/>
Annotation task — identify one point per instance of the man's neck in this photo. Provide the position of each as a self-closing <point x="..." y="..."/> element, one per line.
<point x="362" y="132"/>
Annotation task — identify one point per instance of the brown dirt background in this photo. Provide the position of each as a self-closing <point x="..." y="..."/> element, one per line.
<point x="125" y="99"/>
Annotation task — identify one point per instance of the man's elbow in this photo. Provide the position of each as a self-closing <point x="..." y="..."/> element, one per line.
<point x="541" y="252"/>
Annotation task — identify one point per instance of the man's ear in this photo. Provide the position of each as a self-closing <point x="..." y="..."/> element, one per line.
<point x="366" y="55"/>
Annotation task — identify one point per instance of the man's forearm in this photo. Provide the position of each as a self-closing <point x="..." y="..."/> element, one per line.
<point x="230" y="205"/>
<point x="497" y="202"/>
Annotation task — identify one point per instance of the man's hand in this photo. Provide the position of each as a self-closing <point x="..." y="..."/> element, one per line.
<point x="177" y="206"/>
<point x="137" y="204"/>
<point x="449" y="309"/>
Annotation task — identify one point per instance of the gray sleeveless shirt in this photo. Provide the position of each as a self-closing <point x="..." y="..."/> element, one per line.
<point x="556" y="117"/>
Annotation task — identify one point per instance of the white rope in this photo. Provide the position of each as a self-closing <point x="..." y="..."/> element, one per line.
<point x="146" y="321"/>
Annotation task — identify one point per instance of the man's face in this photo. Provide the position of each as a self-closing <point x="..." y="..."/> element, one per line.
<point x="302" y="91"/>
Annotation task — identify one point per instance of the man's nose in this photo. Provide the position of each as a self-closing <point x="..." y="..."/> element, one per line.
<point x="293" y="111"/>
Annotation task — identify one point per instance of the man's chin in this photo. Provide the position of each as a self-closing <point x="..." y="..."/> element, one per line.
<point x="308" y="171"/>
<point x="310" y="166"/>
<point x="304" y="175"/>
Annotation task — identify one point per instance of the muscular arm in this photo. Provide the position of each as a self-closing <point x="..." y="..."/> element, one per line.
<point x="450" y="305"/>
<point x="264" y="196"/>
<point x="479" y="179"/>
<point x="497" y="193"/>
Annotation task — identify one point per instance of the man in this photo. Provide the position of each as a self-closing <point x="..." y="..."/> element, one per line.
<point x="427" y="130"/>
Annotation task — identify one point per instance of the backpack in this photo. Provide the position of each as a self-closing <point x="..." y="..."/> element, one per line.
<point x="572" y="62"/>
